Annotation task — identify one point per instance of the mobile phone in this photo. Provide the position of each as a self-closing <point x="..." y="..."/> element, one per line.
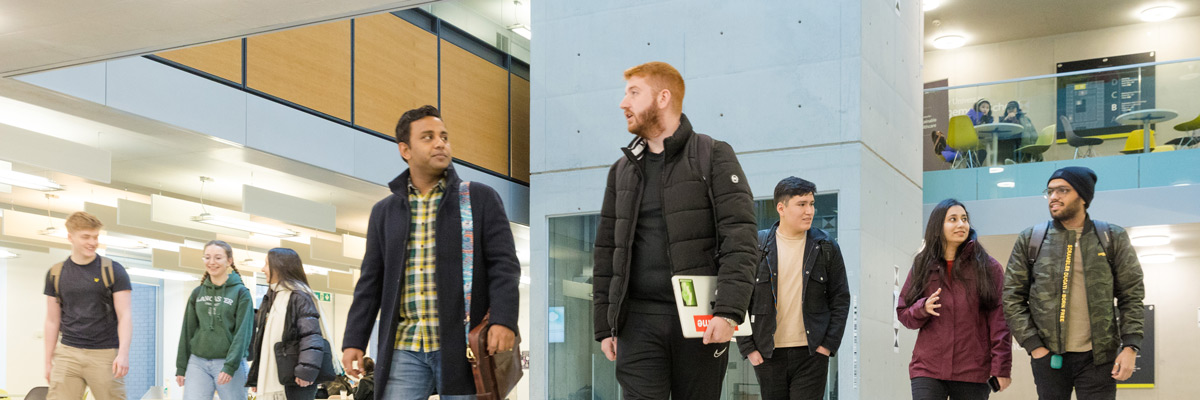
<point x="995" y="384"/>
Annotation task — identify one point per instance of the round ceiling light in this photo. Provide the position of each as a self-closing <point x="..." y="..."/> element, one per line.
<point x="949" y="42"/>
<point x="1159" y="13"/>
<point x="1157" y="258"/>
<point x="929" y="5"/>
<point x="1150" y="241"/>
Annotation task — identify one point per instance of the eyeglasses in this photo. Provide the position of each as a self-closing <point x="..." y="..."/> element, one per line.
<point x="1060" y="191"/>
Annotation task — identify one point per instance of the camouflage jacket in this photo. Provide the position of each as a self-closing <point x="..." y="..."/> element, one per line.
<point x="1034" y="297"/>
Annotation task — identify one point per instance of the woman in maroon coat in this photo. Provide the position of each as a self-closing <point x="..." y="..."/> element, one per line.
<point x="952" y="296"/>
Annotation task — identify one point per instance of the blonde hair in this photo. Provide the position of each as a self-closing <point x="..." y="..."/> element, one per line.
<point x="661" y="76"/>
<point x="83" y="221"/>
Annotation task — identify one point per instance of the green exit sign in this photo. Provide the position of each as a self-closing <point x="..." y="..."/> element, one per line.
<point x="324" y="296"/>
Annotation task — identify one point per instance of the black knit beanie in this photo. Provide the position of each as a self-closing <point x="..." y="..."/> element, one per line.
<point x="1083" y="179"/>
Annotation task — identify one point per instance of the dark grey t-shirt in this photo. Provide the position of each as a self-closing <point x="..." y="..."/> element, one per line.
<point x="88" y="320"/>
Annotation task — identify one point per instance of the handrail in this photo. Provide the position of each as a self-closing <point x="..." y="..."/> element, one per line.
<point x="1058" y="75"/>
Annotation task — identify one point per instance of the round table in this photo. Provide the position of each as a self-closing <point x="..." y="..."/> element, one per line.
<point x="998" y="130"/>
<point x="1145" y="118"/>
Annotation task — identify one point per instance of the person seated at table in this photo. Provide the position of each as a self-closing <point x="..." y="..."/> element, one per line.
<point x="981" y="113"/>
<point x="1029" y="135"/>
<point x="940" y="147"/>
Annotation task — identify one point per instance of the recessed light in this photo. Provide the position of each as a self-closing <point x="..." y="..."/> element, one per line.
<point x="1006" y="184"/>
<point x="929" y="5"/>
<point x="1152" y="240"/>
<point x="1157" y="258"/>
<point x="1159" y="13"/>
<point x="5" y="254"/>
<point x="949" y="42"/>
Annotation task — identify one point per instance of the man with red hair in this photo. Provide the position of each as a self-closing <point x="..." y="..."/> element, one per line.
<point x="677" y="203"/>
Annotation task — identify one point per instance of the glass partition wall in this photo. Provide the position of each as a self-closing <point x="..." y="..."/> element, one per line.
<point x="578" y="369"/>
<point x="1094" y="118"/>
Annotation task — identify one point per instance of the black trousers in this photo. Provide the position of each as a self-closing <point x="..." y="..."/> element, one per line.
<point x="655" y="362"/>
<point x="936" y="389"/>
<point x="1089" y="381"/>
<point x="791" y="374"/>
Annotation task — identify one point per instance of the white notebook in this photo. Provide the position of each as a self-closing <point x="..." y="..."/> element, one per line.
<point x="694" y="299"/>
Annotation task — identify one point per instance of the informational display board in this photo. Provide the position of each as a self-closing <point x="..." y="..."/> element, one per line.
<point x="1143" y="375"/>
<point x="936" y="126"/>
<point x="1092" y="101"/>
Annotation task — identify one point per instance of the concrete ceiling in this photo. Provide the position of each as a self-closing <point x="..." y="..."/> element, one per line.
<point x="1001" y="21"/>
<point x="42" y="35"/>
<point x="151" y="157"/>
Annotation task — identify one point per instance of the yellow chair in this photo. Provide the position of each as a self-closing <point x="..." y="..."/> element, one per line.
<point x="964" y="140"/>
<point x="1135" y="143"/>
<point x="1164" y="148"/>
<point x="1044" y="141"/>
<point x="1191" y="139"/>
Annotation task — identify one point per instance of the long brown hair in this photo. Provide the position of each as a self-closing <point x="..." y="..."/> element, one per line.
<point x="287" y="268"/>
<point x="933" y="255"/>
<point x="228" y="254"/>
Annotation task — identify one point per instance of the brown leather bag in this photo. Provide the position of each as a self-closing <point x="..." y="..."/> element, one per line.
<point x="495" y="374"/>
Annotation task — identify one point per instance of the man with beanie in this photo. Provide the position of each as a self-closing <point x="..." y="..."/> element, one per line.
<point x="1059" y="288"/>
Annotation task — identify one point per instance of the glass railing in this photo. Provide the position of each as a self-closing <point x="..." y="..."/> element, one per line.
<point x="1003" y="139"/>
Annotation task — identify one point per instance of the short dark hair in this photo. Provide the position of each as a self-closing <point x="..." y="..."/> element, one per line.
<point x="404" y="127"/>
<point x="793" y="186"/>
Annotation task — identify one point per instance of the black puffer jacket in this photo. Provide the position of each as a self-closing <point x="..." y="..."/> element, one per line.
<point x="825" y="291"/>
<point x="303" y="323"/>
<point x="689" y="217"/>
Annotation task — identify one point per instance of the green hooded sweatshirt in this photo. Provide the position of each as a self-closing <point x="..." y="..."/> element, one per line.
<point x="217" y="325"/>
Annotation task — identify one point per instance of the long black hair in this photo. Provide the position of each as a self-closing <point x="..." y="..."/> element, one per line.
<point x="970" y="260"/>
<point x="287" y="269"/>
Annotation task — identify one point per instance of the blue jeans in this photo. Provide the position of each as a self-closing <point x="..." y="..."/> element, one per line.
<point x="201" y="380"/>
<point x="414" y="375"/>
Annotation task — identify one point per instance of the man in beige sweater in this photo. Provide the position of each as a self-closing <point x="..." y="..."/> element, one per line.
<point x="800" y="302"/>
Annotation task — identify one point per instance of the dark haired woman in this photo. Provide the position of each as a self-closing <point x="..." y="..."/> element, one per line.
<point x="288" y="312"/>
<point x="952" y="296"/>
<point x="981" y="113"/>
<point x="217" y="325"/>
<point x="1013" y="114"/>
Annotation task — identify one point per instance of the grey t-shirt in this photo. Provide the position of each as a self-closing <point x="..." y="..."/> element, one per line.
<point x="88" y="319"/>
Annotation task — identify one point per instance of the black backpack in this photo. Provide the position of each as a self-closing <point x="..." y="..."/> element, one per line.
<point x="1103" y="231"/>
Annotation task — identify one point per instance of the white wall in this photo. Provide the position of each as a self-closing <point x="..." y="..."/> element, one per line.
<point x="24" y="315"/>
<point x="1038" y="56"/>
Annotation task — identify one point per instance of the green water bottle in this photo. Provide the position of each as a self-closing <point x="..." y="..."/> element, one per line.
<point x="1056" y="361"/>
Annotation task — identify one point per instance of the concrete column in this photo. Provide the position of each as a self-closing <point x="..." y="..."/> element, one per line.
<point x="828" y="91"/>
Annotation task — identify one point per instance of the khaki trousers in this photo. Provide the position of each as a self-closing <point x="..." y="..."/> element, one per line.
<point x="76" y="368"/>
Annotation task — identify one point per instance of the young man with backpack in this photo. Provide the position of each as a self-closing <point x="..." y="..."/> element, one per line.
<point x="1059" y="288"/>
<point x="676" y="203"/>
<point x="801" y="299"/>
<point x="88" y="300"/>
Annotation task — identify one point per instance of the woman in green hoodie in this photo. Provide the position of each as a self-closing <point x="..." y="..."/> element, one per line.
<point x="216" y="333"/>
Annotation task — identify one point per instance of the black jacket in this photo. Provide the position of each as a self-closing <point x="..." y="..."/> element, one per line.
<point x="826" y="295"/>
<point x="689" y="216"/>
<point x="378" y="290"/>
<point x="303" y="323"/>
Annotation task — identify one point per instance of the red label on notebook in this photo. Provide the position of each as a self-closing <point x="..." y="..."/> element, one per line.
<point x="702" y="322"/>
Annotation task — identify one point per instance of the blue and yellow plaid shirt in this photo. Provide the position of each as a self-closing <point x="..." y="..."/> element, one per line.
<point x="418" y="326"/>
